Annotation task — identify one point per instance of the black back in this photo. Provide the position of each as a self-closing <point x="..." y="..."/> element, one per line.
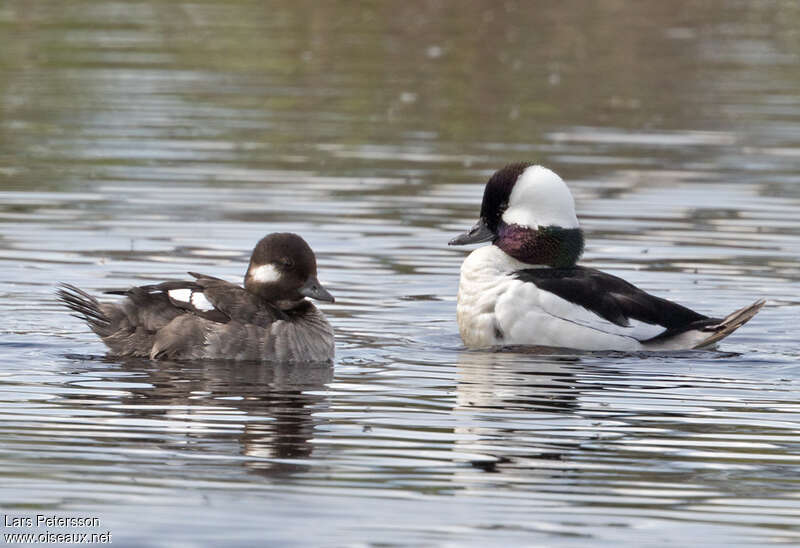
<point x="610" y="297"/>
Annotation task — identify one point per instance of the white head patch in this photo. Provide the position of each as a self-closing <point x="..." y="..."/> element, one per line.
<point x="540" y="198"/>
<point x="266" y="273"/>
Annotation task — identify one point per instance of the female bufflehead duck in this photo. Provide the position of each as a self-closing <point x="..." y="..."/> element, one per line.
<point x="208" y="318"/>
<point x="525" y="288"/>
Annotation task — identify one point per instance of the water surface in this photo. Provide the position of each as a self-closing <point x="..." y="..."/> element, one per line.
<point x="139" y="140"/>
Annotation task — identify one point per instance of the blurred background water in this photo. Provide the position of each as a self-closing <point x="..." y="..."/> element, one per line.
<point x="142" y="139"/>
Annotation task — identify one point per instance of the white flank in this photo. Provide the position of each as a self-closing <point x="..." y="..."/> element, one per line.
<point x="182" y="295"/>
<point x="496" y="308"/>
<point x="266" y="273"/>
<point x="540" y="198"/>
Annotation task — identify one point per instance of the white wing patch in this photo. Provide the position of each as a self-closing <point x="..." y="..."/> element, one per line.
<point x="182" y="295"/>
<point x="200" y="302"/>
<point x="266" y="273"/>
<point x="195" y="298"/>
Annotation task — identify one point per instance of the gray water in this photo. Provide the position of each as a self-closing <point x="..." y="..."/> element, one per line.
<point x="142" y="139"/>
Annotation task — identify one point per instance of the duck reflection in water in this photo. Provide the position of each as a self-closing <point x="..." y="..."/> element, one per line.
<point x="518" y="412"/>
<point x="277" y="404"/>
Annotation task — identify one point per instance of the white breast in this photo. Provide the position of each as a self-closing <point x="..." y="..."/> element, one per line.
<point x="484" y="279"/>
<point x="495" y="308"/>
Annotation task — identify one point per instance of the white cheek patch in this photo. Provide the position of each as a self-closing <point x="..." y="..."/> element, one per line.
<point x="540" y="198"/>
<point x="266" y="273"/>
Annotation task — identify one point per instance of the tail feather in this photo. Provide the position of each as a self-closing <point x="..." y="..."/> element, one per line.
<point x="703" y="333"/>
<point x="731" y="323"/>
<point x="128" y="328"/>
<point x="86" y="307"/>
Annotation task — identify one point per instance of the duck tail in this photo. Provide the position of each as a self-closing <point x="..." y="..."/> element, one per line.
<point x="85" y="307"/>
<point x="733" y="321"/>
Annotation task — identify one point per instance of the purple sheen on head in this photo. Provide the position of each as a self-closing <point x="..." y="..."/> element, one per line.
<point x="514" y="239"/>
<point x="548" y="245"/>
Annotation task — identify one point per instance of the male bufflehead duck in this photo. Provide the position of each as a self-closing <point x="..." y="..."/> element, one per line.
<point x="525" y="288"/>
<point x="209" y="318"/>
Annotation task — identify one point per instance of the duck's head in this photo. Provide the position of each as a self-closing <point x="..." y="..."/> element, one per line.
<point x="283" y="271"/>
<point x="528" y="212"/>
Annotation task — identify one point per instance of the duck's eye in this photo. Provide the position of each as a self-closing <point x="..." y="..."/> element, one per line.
<point x="287" y="263"/>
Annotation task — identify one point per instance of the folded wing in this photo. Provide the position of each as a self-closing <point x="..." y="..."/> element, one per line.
<point x="609" y="304"/>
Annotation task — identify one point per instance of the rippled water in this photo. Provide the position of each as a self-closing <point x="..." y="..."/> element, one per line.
<point x="139" y="140"/>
